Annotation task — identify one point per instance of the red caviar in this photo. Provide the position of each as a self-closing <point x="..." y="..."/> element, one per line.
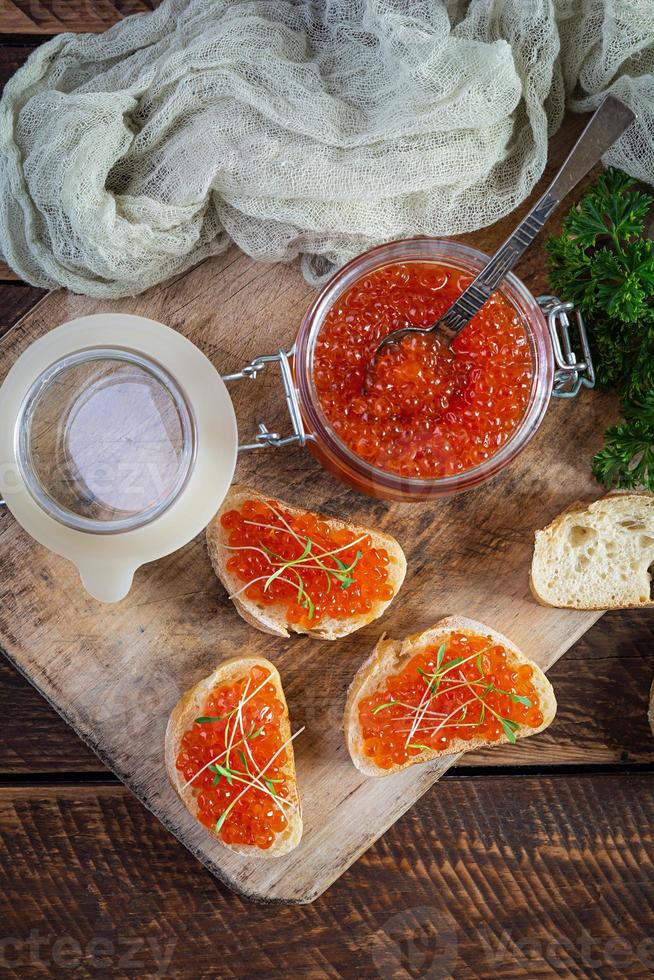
<point x="419" y="409"/>
<point x="318" y="571"/>
<point x="467" y="687"/>
<point x="242" y="743"/>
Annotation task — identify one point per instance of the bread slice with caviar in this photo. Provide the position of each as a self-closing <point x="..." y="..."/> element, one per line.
<point x="597" y="555"/>
<point x="190" y="707"/>
<point x="333" y="582"/>
<point x="410" y="725"/>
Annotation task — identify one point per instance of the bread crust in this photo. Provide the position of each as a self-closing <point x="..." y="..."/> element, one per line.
<point x="188" y="708"/>
<point x="272" y="619"/>
<point x="581" y="507"/>
<point x="390" y="656"/>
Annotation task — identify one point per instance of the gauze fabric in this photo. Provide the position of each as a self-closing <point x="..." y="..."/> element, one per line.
<point x="298" y="128"/>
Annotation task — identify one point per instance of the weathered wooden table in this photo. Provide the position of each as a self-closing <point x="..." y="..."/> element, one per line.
<point x="540" y="868"/>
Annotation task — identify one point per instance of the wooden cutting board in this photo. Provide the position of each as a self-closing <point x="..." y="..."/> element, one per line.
<point x="115" y="672"/>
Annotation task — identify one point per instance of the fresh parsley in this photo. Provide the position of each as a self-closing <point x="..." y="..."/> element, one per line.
<point x="627" y="459"/>
<point x="604" y="262"/>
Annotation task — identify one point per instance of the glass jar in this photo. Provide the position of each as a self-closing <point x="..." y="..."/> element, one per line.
<point x="337" y="457"/>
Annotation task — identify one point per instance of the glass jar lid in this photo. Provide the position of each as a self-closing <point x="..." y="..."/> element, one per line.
<point x="106" y="440"/>
<point x="118" y="444"/>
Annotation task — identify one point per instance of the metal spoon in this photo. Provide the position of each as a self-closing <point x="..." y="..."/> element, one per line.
<point x="607" y="123"/>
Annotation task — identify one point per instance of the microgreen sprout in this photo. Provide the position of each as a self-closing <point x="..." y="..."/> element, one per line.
<point x="424" y="718"/>
<point x="311" y="558"/>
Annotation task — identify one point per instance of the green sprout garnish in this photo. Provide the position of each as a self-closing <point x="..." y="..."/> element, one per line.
<point x="433" y="682"/>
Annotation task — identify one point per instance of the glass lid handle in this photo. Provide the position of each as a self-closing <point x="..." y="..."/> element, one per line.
<point x="264" y="437"/>
<point x="105" y="581"/>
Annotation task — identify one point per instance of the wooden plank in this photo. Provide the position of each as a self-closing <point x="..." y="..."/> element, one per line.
<point x="12" y="56"/>
<point x="15" y="301"/>
<point x="103" y="668"/>
<point x="8" y="275"/>
<point x="49" y="17"/>
<point x="601" y="684"/>
<point x="539" y="877"/>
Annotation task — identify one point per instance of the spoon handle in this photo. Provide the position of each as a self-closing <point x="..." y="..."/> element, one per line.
<point x="607" y="123"/>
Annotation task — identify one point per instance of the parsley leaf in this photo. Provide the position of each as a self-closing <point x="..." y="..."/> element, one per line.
<point x="604" y="263"/>
<point x="627" y="459"/>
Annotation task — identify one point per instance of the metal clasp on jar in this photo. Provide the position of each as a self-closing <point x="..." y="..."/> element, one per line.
<point x="571" y="374"/>
<point x="264" y="437"/>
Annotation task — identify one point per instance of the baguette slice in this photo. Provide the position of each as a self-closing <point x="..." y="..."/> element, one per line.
<point x="187" y="709"/>
<point x="598" y="555"/>
<point x="391" y="656"/>
<point x="272" y="619"/>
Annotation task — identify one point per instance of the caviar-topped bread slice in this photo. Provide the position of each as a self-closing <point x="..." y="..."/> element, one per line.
<point x="458" y="686"/>
<point x="229" y="755"/>
<point x="291" y="570"/>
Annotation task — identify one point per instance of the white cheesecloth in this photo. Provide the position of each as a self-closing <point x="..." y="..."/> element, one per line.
<point x="298" y="128"/>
